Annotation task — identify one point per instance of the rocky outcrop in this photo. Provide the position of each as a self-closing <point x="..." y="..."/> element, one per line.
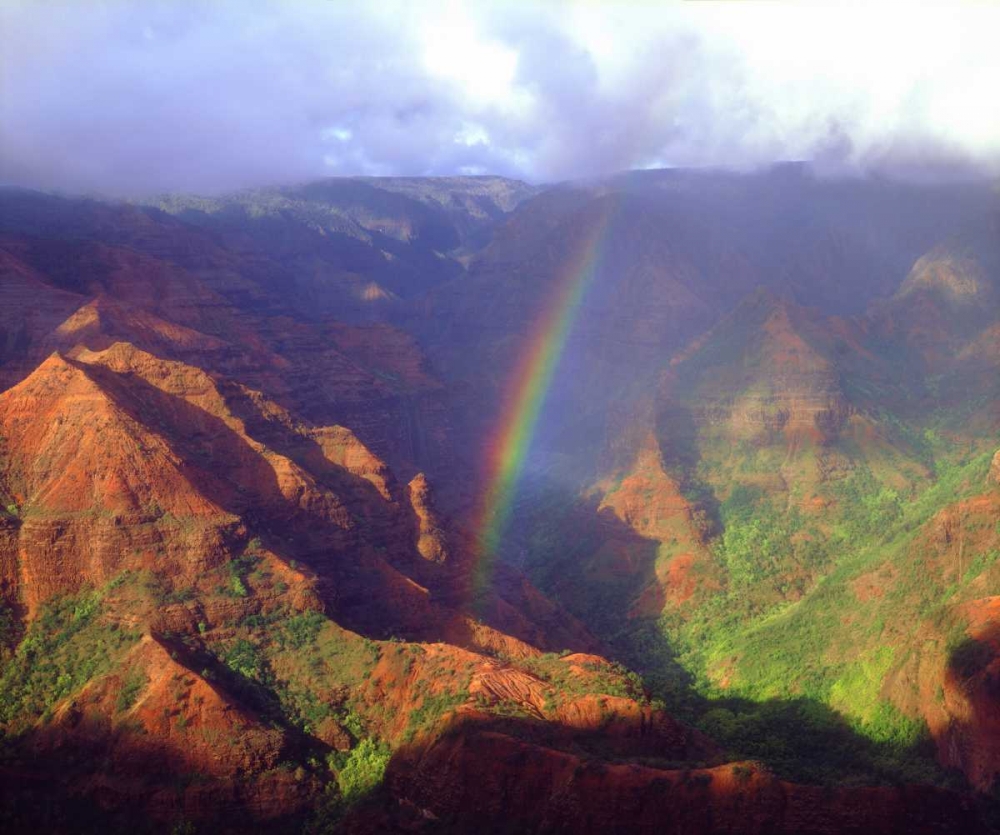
<point x="968" y="732"/>
<point x="152" y="724"/>
<point x="766" y="374"/>
<point x="943" y="310"/>
<point x="650" y="502"/>
<point x="953" y="276"/>
<point x="119" y="460"/>
<point x="96" y="490"/>
<point x="206" y="729"/>
<point x="951" y="675"/>
<point x="432" y="541"/>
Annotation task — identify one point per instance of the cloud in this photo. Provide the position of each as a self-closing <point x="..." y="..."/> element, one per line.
<point x="138" y="97"/>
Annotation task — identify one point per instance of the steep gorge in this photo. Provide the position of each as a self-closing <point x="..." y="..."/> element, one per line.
<point x="238" y="564"/>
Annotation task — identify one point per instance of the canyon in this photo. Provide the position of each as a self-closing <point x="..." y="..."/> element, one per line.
<point x="748" y="570"/>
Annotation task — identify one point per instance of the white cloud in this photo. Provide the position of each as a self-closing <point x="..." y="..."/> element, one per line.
<point x="454" y="50"/>
<point x="472" y="134"/>
<point x="132" y="97"/>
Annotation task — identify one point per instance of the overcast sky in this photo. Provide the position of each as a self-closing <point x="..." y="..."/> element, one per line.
<point x="142" y="96"/>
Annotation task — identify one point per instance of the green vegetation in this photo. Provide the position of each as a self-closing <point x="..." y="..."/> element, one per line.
<point x="867" y="508"/>
<point x="432" y="708"/>
<point x="132" y="686"/>
<point x="825" y="591"/>
<point x="756" y="542"/>
<point x="159" y="590"/>
<point x="980" y="563"/>
<point x="607" y="680"/>
<point x="244" y="659"/>
<point x="66" y="646"/>
<point x="828" y="646"/>
<point x="363" y="771"/>
<point x="8" y="628"/>
<point x="358" y="774"/>
<point x="301" y="630"/>
<point x="237" y="571"/>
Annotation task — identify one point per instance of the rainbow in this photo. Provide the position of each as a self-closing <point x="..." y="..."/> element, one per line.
<point x="525" y="397"/>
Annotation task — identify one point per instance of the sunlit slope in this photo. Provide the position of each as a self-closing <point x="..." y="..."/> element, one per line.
<point x="798" y="507"/>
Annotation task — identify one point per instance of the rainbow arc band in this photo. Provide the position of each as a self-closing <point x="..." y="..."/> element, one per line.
<point x="528" y="388"/>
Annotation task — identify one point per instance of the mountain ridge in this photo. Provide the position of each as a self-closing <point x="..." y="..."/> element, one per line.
<point x="760" y="480"/>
